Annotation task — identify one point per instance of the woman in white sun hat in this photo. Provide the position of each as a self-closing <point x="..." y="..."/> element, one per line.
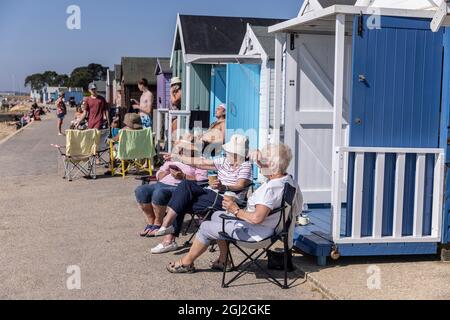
<point x="234" y="174"/>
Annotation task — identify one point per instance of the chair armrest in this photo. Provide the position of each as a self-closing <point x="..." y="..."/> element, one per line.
<point x="227" y="217"/>
<point x="203" y="184"/>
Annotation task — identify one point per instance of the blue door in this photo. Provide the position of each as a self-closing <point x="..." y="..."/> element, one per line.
<point x="397" y="85"/>
<point x="243" y="82"/>
<point x="218" y="88"/>
<point x="397" y="72"/>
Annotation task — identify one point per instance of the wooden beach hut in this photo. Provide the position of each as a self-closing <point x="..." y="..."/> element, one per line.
<point x="367" y="99"/>
<point x="206" y="57"/>
<point x="163" y="73"/>
<point x="110" y="78"/>
<point x="258" y="42"/>
<point x="133" y="69"/>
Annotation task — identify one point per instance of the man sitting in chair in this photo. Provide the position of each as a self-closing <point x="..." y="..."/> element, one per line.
<point x="153" y="198"/>
<point x="255" y="222"/>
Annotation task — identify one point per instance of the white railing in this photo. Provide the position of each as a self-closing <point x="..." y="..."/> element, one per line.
<point x="168" y="115"/>
<point x="378" y="195"/>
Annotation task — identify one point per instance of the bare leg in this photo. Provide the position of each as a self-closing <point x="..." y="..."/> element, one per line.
<point x="147" y="209"/>
<point x="170" y="218"/>
<point x="168" y="239"/>
<point x="223" y="248"/>
<point x="159" y="213"/>
<point x="197" y="249"/>
<point x="60" y="123"/>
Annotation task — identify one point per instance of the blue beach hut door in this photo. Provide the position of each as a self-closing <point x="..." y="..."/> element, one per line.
<point x="243" y="97"/>
<point x="218" y="88"/>
<point x="397" y="71"/>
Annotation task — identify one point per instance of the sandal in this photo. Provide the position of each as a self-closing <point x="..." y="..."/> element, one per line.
<point x="147" y="229"/>
<point x="153" y="231"/>
<point x="178" y="267"/>
<point x="219" y="266"/>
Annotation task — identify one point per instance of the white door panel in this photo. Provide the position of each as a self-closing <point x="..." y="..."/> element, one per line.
<point x="309" y="112"/>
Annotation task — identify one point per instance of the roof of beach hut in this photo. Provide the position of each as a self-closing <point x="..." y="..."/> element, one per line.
<point x="163" y="66"/>
<point x="266" y="39"/>
<point x="136" y="68"/>
<point x="213" y="36"/>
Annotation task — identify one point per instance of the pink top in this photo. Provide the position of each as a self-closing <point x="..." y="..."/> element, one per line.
<point x="200" y="175"/>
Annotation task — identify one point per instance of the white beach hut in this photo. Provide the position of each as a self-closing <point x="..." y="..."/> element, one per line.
<point x="361" y="85"/>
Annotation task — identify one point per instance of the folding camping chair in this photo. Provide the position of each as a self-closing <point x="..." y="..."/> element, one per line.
<point x="79" y="154"/>
<point x="199" y="218"/>
<point x="135" y="149"/>
<point x="283" y="232"/>
<point x="103" y="149"/>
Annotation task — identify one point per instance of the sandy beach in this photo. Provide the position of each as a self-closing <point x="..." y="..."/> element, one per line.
<point x="6" y="130"/>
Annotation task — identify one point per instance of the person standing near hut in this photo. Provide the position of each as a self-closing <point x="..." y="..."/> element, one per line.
<point x="61" y="112"/>
<point x="176" y="95"/>
<point x="95" y="110"/>
<point x="145" y="107"/>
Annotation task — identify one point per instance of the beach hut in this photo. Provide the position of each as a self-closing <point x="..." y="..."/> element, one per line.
<point x="163" y="74"/>
<point x="205" y="55"/>
<point x="259" y="42"/>
<point x="133" y="69"/>
<point x="110" y="78"/>
<point x="117" y="86"/>
<point x="363" y="85"/>
<point x="76" y="93"/>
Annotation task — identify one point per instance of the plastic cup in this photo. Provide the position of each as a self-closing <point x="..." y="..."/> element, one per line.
<point x="212" y="178"/>
<point x="230" y="196"/>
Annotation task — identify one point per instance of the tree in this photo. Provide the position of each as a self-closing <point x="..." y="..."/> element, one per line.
<point x="80" y="77"/>
<point x="35" y="81"/>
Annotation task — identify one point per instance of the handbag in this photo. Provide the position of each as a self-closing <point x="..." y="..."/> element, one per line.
<point x="275" y="260"/>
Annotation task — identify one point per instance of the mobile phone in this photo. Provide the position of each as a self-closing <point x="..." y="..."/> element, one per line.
<point x="174" y="168"/>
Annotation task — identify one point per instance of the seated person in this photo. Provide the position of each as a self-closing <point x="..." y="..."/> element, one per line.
<point x="234" y="174"/>
<point x="132" y="121"/>
<point x="115" y="127"/>
<point x="214" y="138"/>
<point x="255" y="222"/>
<point x="154" y="198"/>
<point x="78" y="123"/>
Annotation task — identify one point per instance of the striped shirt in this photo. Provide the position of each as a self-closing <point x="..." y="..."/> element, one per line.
<point x="229" y="176"/>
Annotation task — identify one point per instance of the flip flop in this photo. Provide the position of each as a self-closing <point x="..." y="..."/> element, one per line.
<point x="153" y="231"/>
<point x="148" y="228"/>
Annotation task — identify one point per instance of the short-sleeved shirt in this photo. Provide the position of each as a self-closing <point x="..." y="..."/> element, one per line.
<point x="200" y="175"/>
<point x="270" y="195"/>
<point x="229" y="176"/>
<point x="95" y="107"/>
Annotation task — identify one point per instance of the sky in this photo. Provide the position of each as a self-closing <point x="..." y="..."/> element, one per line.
<point x="34" y="36"/>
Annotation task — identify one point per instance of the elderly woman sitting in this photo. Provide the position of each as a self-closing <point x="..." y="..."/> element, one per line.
<point x="153" y="198"/>
<point x="234" y="174"/>
<point x="255" y="222"/>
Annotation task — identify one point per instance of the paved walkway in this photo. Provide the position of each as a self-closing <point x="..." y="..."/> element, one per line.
<point x="48" y="224"/>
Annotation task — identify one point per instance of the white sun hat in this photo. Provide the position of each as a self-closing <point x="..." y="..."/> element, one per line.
<point x="238" y="144"/>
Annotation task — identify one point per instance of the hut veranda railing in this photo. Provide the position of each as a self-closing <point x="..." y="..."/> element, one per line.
<point x="354" y="236"/>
